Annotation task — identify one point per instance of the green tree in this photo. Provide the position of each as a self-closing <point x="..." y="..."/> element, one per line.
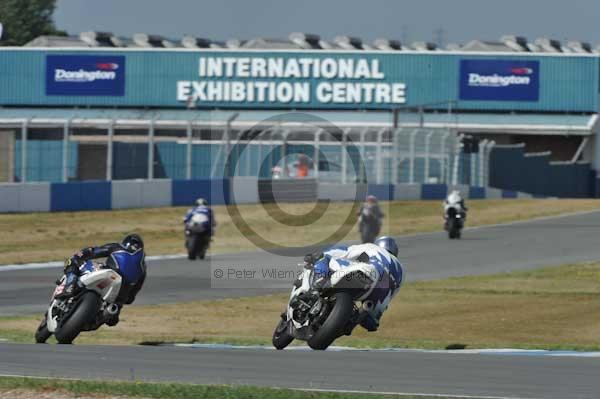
<point x="24" y="20"/>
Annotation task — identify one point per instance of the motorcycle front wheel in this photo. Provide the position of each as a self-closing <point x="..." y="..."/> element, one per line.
<point x="83" y="315"/>
<point x="335" y="323"/>
<point x="42" y="334"/>
<point x="281" y="335"/>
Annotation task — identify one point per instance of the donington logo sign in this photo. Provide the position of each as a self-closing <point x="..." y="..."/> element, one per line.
<point x="499" y="80"/>
<point x="85" y="75"/>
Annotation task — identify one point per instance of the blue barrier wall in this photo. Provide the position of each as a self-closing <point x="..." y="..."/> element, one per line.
<point x="121" y="194"/>
<point x="80" y="196"/>
<point x="185" y="192"/>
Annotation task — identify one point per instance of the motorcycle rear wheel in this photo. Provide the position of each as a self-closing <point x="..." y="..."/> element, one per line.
<point x="335" y="324"/>
<point x="42" y="334"/>
<point x="83" y="315"/>
<point x="281" y="335"/>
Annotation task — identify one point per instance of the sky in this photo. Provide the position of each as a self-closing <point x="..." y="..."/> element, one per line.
<point x="408" y="20"/>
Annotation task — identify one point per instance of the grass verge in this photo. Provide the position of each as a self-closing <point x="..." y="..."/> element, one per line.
<point x="58" y="235"/>
<point x="549" y="308"/>
<point x="17" y="388"/>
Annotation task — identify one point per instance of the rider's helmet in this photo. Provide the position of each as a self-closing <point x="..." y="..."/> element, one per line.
<point x="132" y="243"/>
<point x="201" y="202"/>
<point x="387" y="243"/>
<point x="371" y="199"/>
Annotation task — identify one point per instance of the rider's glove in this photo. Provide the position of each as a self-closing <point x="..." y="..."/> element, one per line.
<point x="313" y="258"/>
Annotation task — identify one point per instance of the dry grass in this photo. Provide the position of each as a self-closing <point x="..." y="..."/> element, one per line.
<point x="548" y="308"/>
<point x="54" y="236"/>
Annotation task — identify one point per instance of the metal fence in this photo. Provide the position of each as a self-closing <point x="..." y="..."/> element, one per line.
<point x="78" y="150"/>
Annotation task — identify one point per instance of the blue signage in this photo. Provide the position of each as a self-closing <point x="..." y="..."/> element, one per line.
<point x="499" y="80"/>
<point x="85" y="75"/>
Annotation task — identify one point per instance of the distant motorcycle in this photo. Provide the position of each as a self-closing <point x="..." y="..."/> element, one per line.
<point x="94" y="305"/>
<point x="369" y="225"/>
<point x="321" y="315"/>
<point x="455" y="220"/>
<point x="197" y="235"/>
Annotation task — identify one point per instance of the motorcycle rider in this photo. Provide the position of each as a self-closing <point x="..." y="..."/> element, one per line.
<point x="453" y="199"/>
<point x="370" y="218"/>
<point x="201" y="206"/>
<point x="130" y="249"/>
<point x="383" y="254"/>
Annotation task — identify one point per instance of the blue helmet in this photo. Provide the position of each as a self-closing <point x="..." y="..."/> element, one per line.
<point x="387" y="243"/>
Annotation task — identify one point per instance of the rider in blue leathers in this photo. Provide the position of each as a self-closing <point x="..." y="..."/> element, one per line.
<point x="383" y="255"/>
<point x="201" y="206"/>
<point x="126" y="258"/>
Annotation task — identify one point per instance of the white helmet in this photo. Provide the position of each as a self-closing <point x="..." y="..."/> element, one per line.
<point x="201" y="202"/>
<point x="454" y="197"/>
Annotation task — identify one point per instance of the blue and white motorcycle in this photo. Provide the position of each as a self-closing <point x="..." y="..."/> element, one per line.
<point x="323" y="307"/>
<point x="90" y="308"/>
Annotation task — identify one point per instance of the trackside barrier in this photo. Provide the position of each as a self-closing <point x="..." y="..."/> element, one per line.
<point x="407" y="192"/>
<point x="383" y="192"/>
<point x="287" y="190"/>
<point x="434" y="191"/>
<point x="80" y="196"/>
<point x="215" y="191"/>
<point x="28" y="197"/>
<point x="244" y="190"/>
<point x="341" y="192"/>
<point x="100" y="195"/>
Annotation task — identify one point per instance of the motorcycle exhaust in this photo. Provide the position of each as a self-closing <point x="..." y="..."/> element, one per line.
<point x="368" y="306"/>
<point x="112" y="309"/>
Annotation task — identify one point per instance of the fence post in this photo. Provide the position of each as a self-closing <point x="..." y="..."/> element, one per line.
<point x="456" y="159"/>
<point x="65" y="150"/>
<point x="482" y="145"/>
<point x="427" y="140"/>
<point x="188" y="151"/>
<point x="363" y="151"/>
<point x="344" y="160"/>
<point x="444" y="159"/>
<point x="109" y="150"/>
<point x="395" y="155"/>
<point x="411" y="178"/>
<point x="317" y="149"/>
<point x="488" y="151"/>
<point x="379" y="157"/>
<point x="24" y="150"/>
<point x="151" y="150"/>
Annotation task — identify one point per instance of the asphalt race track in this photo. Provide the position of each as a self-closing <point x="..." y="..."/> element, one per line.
<point x="552" y="241"/>
<point x="486" y="250"/>
<point x="376" y="371"/>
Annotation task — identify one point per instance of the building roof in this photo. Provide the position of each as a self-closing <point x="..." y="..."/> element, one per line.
<point x="296" y="40"/>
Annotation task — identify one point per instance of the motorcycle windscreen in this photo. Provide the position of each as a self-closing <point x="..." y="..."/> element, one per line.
<point x="130" y="265"/>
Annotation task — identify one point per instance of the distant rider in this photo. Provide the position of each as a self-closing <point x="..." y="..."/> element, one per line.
<point x="454" y="199"/>
<point x="370" y="218"/>
<point x="130" y="251"/>
<point x="201" y="207"/>
<point x="383" y="255"/>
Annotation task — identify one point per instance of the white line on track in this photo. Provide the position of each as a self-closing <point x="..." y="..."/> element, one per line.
<point x="49" y="265"/>
<point x="497" y="352"/>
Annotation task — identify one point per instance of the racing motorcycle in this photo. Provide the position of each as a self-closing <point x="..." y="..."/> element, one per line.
<point x="455" y="221"/>
<point x="323" y="308"/>
<point x="93" y="305"/>
<point x="197" y="236"/>
<point x="369" y="225"/>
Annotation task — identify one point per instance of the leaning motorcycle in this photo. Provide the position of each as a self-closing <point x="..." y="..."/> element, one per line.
<point x="93" y="305"/>
<point x="197" y="236"/>
<point x="323" y="308"/>
<point x="455" y="221"/>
